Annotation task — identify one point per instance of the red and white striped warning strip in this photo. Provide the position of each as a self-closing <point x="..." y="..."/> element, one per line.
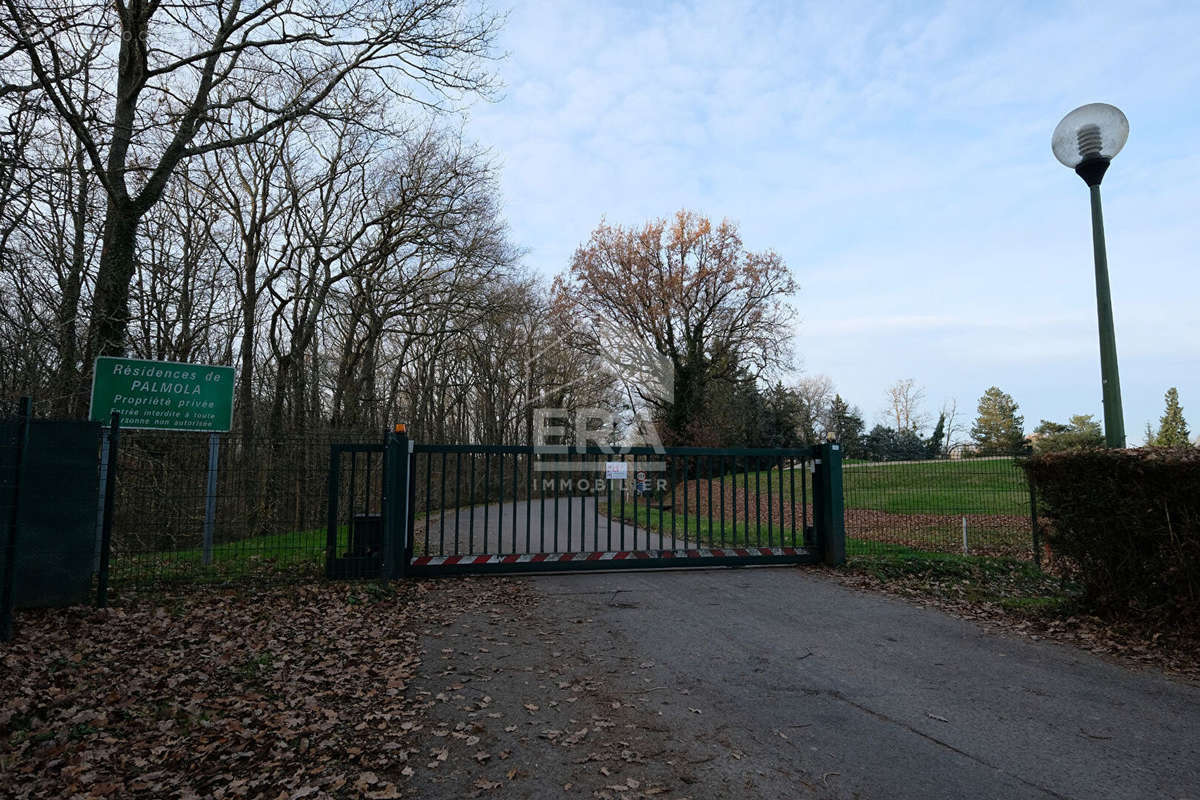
<point x="621" y="555"/>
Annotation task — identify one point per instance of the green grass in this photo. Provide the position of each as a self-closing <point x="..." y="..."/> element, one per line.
<point x="938" y="487"/>
<point x="296" y="552"/>
<point x="739" y="534"/>
<point x="705" y="530"/>
<point x="1015" y="585"/>
<point x="949" y="487"/>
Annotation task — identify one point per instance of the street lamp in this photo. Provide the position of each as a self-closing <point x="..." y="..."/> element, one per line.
<point x="1086" y="141"/>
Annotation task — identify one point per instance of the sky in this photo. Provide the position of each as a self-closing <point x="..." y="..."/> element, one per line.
<point x="897" y="156"/>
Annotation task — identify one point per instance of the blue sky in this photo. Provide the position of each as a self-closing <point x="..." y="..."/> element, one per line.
<point x="898" y="157"/>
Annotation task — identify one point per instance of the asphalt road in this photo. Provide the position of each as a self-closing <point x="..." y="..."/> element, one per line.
<point x="524" y="527"/>
<point x="793" y="685"/>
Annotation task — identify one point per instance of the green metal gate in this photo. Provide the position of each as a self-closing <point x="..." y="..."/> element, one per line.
<point x="449" y="509"/>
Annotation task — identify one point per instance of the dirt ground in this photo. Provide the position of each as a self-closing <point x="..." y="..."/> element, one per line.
<point x="434" y="689"/>
<point x="329" y="691"/>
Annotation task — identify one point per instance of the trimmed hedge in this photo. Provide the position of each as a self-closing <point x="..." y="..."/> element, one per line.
<point x="1127" y="522"/>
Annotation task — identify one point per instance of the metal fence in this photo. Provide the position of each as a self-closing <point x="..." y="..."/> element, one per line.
<point x="205" y="508"/>
<point x="978" y="506"/>
<point x="198" y="508"/>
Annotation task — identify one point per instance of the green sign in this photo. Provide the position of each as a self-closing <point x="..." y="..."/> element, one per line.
<point x="162" y="395"/>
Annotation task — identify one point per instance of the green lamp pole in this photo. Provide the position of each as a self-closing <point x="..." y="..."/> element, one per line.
<point x="1086" y="141"/>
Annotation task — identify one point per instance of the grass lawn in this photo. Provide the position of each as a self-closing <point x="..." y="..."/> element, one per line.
<point x="293" y="555"/>
<point x="297" y="553"/>
<point x="951" y="487"/>
<point x="994" y="486"/>
<point x="737" y="534"/>
<point x="708" y="531"/>
<point x="1015" y="585"/>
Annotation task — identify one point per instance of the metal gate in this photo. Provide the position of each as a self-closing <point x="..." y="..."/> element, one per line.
<point x="354" y="537"/>
<point x="446" y="509"/>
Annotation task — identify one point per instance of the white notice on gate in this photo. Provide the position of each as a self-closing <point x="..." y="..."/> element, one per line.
<point x="616" y="470"/>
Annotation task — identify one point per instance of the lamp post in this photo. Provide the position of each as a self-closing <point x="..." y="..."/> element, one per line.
<point x="1086" y="141"/>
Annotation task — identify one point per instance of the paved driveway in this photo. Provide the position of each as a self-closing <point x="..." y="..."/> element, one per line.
<point x="530" y="527"/>
<point x="797" y="685"/>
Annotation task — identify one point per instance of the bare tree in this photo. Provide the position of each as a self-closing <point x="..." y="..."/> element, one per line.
<point x="904" y="399"/>
<point x="816" y="392"/>
<point x="954" y="425"/>
<point x="172" y="77"/>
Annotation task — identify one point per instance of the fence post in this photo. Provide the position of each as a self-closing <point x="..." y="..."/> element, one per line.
<point x="828" y="508"/>
<point x="410" y="502"/>
<point x="331" y="525"/>
<point x="1033" y="519"/>
<point x="395" y="504"/>
<point x="25" y="412"/>
<point x="100" y="497"/>
<point x="110" y="501"/>
<point x="210" y="499"/>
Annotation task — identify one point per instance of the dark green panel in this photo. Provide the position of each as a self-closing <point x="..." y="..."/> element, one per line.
<point x="56" y="542"/>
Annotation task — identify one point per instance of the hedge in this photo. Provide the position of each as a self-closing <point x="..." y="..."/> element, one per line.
<point x="1127" y="523"/>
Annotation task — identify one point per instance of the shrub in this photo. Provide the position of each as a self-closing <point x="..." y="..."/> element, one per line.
<point x="1128" y="522"/>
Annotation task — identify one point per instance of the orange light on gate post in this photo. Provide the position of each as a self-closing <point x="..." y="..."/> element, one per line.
<point x="400" y="427"/>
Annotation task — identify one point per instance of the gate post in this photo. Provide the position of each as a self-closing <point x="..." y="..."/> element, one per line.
<point x="25" y="414"/>
<point x="395" y="504"/>
<point x="828" y="510"/>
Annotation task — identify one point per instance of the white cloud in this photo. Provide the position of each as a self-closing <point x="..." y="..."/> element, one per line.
<point x="899" y="160"/>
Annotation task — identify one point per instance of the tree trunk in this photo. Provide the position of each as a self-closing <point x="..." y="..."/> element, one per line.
<point x="110" y="307"/>
<point x="246" y="356"/>
<point x="71" y="391"/>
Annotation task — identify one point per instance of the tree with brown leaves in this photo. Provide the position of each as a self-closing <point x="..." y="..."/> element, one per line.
<point x="691" y="291"/>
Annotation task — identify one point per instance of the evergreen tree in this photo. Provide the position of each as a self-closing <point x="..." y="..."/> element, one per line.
<point x="1082" y="430"/>
<point x="888" y="444"/>
<point x="1172" y="428"/>
<point x="934" y="445"/>
<point x="847" y="425"/>
<point x="998" y="429"/>
<point x="784" y="418"/>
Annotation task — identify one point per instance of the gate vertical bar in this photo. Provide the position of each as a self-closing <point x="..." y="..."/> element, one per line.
<point x="396" y="464"/>
<point x="25" y="411"/>
<point x="428" y="494"/>
<point x="782" y="499"/>
<point x="442" y="511"/>
<point x="516" y="468"/>
<point x="597" y="466"/>
<point x="542" y="511"/>
<point x="636" y="520"/>
<point x="608" y="508"/>
<point x="471" y="515"/>
<point x="210" y="497"/>
<point x="674" y="472"/>
<point x="758" y="504"/>
<point x="331" y="520"/>
<point x="457" y="497"/>
<point x="487" y="495"/>
<point x="410" y="506"/>
<point x="528" y="499"/>
<point x="110" y="502"/>
<point x="557" y="486"/>
<point x="709" y="479"/>
<point x="1033" y="519"/>
<point x="792" y="481"/>
<point x="745" y="497"/>
<point x="500" y="512"/>
<point x="100" y="500"/>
